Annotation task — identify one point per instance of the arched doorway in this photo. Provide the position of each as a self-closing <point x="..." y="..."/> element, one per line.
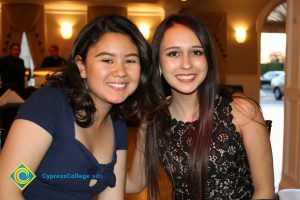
<point x="272" y="20"/>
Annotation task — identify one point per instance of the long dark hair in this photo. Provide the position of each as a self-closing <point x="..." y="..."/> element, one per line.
<point x="70" y="81"/>
<point x="157" y="127"/>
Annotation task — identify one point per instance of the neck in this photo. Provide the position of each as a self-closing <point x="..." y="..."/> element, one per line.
<point x="184" y="107"/>
<point x="102" y="113"/>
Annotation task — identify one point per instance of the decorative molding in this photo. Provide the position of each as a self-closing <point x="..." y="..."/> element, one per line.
<point x="94" y="11"/>
<point x="65" y="12"/>
<point x="291" y="144"/>
<point x="142" y="13"/>
<point x="265" y="12"/>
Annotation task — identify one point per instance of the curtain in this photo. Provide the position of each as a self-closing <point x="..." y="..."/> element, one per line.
<point x="28" y="18"/>
<point x="94" y="11"/>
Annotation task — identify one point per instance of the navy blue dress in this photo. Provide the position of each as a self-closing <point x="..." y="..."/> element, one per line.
<point x="68" y="166"/>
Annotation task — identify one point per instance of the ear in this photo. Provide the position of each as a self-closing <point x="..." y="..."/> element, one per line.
<point x="81" y="66"/>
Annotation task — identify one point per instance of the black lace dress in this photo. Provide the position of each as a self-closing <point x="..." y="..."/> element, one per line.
<point x="228" y="169"/>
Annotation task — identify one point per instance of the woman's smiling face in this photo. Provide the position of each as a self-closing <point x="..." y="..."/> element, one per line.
<point x="182" y="59"/>
<point x="112" y="68"/>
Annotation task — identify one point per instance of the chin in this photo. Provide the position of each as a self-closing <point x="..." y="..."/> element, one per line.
<point x="117" y="100"/>
<point x="186" y="91"/>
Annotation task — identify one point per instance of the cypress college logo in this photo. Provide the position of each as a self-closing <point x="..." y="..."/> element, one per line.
<point x="22" y="176"/>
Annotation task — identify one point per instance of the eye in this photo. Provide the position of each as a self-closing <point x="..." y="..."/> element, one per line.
<point x="173" y="54"/>
<point x="132" y="61"/>
<point x="107" y="61"/>
<point x="197" y="53"/>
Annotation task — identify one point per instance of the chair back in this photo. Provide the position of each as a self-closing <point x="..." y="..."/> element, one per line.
<point x="269" y="125"/>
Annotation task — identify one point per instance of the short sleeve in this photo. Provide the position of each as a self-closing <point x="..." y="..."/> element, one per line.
<point x="43" y="108"/>
<point x="121" y="135"/>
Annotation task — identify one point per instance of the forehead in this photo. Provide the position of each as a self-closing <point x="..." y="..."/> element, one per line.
<point x="179" y="34"/>
<point x="115" y="36"/>
<point x="115" y="41"/>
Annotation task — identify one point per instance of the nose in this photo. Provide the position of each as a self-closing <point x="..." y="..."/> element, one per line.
<point x="186" y="62"/>
<point x="119" y="70"/>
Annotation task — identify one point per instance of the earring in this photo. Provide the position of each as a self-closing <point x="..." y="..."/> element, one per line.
<point x="160" y="72"/>
<point x="85" y="84"/>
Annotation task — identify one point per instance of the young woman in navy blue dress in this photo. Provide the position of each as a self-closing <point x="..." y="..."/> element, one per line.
<point x="71" y="133"/>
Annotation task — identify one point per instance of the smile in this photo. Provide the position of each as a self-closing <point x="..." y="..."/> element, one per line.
<point x="117" y="85"/>
<point x="188" y="77"/>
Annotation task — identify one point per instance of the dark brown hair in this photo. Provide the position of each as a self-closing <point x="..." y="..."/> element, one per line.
<point x="70" y="81"/>
<point x="157" y="127"/>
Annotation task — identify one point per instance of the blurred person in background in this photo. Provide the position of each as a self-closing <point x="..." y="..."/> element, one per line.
<point x="12" y="71"/>
<point x="54" y="60"/>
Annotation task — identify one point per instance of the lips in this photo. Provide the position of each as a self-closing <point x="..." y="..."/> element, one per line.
<point x="118" y="86"/>
<point x="185" y="77"/>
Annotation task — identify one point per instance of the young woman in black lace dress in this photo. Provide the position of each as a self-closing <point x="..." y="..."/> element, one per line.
<point x="212" y="142"/>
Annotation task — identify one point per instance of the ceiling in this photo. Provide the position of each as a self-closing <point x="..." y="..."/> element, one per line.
<point x="278" y="14"/>
<point x="84" y="3"/>
<point x="275" y="21"/>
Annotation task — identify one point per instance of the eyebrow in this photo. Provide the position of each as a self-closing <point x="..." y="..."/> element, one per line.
<point x="132" y="54"/>
<point x="111" y="54"/>
<point x="177" y="47"/>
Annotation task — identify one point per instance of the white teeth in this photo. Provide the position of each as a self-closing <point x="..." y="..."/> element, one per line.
<point x="186" y="77"/>
<point x="117" y="85"/>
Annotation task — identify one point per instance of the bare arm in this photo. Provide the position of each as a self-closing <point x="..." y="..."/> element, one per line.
<point x="136" y="176"/>
<point x="27" y="143"/>
<point x="251" y="124"/>
<point x="117" y="192"/>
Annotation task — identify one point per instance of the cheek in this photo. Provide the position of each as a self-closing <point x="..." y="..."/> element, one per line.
<point x="134" y="73"/>
<point x="97" y="73"/>
<point x="168" y="65"/>
<point x="201" y="64"/>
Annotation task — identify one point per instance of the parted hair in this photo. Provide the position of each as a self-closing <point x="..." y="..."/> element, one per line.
<point x="198" y="159"/>
<point x="70" y="81"/>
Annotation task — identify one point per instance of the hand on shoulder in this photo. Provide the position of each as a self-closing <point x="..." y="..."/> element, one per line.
<point x="245" y="110"/>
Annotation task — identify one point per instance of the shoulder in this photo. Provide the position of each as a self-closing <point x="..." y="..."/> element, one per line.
<point x="239" y="102"/>
<point x="244" y="105"/>
<point x="48" y="92"/>
<point x="245" y="110"/>
<point x="47" y="107"/>
<point x="21" y="60"/>
<point x="4" y="59"/>
<point x="61" y="58"/>
<point x="46" y="97"/>
<point x="47" y="58"/>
